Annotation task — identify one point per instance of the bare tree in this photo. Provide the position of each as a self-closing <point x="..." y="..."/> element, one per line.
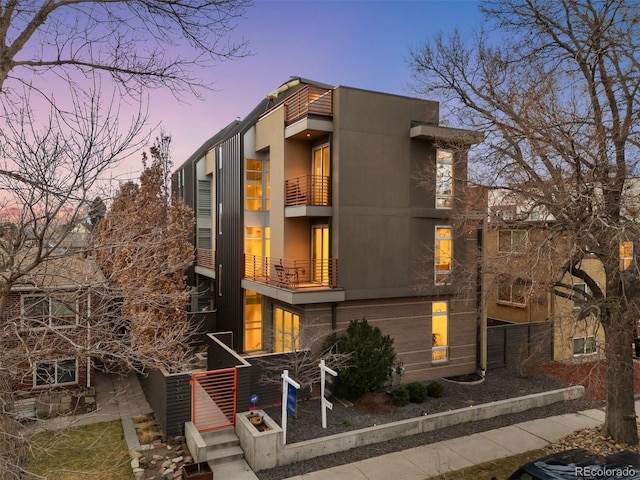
<point x="556" y="88"/>
<point x="66" y="67"/>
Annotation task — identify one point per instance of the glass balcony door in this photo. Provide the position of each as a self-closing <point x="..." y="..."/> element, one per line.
<point x="320" y="254"/>
<point x="320" y="176"/>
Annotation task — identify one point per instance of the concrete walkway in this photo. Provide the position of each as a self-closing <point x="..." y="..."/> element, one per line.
<point x="443" y="457"/>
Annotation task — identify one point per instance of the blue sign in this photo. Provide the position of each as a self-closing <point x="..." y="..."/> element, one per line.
<point x="253" y="399"/>
<point x="292" y="395"/>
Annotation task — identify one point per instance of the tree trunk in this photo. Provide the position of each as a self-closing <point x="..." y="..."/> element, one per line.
<point x="620" y="420"/>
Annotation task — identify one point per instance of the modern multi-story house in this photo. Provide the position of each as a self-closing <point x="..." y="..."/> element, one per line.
<point x="328" y="204"/>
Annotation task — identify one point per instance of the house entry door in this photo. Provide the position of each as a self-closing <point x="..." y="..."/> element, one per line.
<point x="320" y="254"/>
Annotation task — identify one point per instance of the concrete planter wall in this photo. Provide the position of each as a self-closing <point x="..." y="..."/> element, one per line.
<point x="264" y="450"/>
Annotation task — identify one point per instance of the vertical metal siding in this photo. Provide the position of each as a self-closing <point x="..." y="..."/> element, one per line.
<point x="229" y="250"/>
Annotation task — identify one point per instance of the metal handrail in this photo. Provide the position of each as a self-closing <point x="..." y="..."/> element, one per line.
<point x="307" y="190"/>
<point x="308" y="100"/>
<point x="292" y="274"/>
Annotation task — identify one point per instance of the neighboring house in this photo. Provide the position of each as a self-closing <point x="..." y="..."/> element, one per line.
<point x="46" y="324"/>
<point x="519" y="261"/>
<point x="311" y="212"/>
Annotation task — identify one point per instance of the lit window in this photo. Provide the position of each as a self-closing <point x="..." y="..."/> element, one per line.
<point x="253" y="185"/>
<point x="512" y="241"/>
<point x="43" y="311"/>
<point x="252" y="321"/>
<point x="56" y="372"/>
<point x="286" y="330"/>
<point x="439" y="331"/>
<point x="444" y="179"/>
<point x="443" y="255"/>
<point x="584" y="345"/>
<point x="626" y="255"/>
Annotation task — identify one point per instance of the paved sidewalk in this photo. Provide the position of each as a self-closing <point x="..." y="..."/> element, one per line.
<point x="438" y="458"/>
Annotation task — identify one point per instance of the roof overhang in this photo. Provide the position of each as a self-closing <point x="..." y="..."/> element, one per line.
<point x="436" y="133"/>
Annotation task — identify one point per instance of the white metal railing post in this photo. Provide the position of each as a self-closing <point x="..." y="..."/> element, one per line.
<point x="286" y="381"/>
<point x="323" y="401"/>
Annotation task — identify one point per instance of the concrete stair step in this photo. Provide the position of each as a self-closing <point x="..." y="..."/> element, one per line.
<point x="220" y="439"/>
<point x="217" y="456"/>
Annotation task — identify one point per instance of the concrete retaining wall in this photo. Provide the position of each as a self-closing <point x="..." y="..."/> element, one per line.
<point x="264" y="450"/>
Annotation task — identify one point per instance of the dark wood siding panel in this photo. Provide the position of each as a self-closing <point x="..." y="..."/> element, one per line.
<point x="510" y="345"/>
<point x="170" y="399"/>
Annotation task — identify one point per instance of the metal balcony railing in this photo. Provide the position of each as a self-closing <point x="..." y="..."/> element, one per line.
<point x="307" y="190"/>
<point x="308" y="100"/>
<point x="292" y="274"/>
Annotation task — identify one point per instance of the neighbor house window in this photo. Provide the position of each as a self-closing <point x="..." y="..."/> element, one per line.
<point x="512" y="241"/>
<point x="584" y="345"/>
<point x="443" y="255"/>
<point x="626" y="255"/>
<point x="444" y="179"/>
<point x="286" y="330"/>
<point x="439" y="331"/>
<point x="580" y="287"/>
<point x="45" y="311"/>
<point x="56" y="372"/>
<point x="511" y="292"/>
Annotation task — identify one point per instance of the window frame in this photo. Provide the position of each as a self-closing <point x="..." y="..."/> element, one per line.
<point x="280" y="342"/>
<point x="52" y="302"/>
<point x="442" y="277"/>
<point x="55" y="363"/>
<point x="503" y="284"/>
<point x="521" y="246"/>
<point x="593" y="349"/>
<point x="444" y="178"/>
<point x="437" y="350"/>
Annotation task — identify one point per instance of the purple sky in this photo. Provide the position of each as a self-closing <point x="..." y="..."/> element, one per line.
<point x="361" y="44"/>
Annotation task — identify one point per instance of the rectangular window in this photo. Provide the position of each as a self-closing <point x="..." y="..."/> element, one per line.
<point x="444" y="179"/>
<point x="252" y="321"/>
<point x="42" y="311"/>
<point x="626" y="255"/>
<point x="584" y="345"/>
<point x="56" y="372"/>
<point x="510" y="292"/>
<point x="439" y="331"/>
<point x="512" y="241"/>
<point x="443" y="255"/>
<point x="286" y="330"/>
<point x="253" y="185"/>
<point x="204" y="198"/>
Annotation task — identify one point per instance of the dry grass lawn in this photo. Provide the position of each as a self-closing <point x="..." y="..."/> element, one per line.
<point x="89" y="452"/>
<point x="499" y="469"/>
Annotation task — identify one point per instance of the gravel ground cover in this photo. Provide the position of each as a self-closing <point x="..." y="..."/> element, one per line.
<point x="498" y="385"/>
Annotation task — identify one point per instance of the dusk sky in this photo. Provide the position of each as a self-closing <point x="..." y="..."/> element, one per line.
<point x="361" y="44"/>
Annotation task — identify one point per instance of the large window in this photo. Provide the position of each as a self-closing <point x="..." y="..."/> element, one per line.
<point x="319" y="180"/>
<point x="40" y="310"/>
<point x="512" y="241"/>
<point x="439" y="331"/>
<point x="443" y="255"/>
<point x="444" y="179"/>
<point x="257" y="185"/>
<point x="252" y="321"/>
<point x="56" y="372"/>
<point x="584" y="345"/>
<point x="286" y="330"/>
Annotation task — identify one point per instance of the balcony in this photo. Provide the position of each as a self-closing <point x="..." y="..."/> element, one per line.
<point x="308" y="196"/>
<point x="308" y="113"/>
<point x="206" y="262"/>
<point x="291" y="274"/>
<point x="295" y="282"/>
